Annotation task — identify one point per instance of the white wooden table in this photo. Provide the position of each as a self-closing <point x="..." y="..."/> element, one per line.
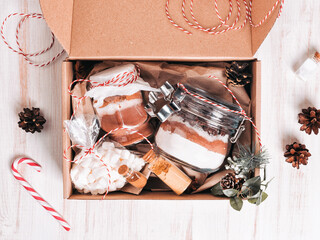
<point x="290" y="212"/>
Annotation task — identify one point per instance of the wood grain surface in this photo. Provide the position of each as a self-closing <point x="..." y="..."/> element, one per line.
<point x="290" y="212"/>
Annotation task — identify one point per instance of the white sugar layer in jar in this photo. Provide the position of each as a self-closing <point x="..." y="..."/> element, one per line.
<point x="112" y="108"/>
<point x="188" y="151"/>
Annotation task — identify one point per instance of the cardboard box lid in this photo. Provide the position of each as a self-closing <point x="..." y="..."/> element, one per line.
<point x="140" y="30"/>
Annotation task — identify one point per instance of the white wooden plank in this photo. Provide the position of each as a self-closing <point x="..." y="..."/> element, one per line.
<point x="291" y="210"/>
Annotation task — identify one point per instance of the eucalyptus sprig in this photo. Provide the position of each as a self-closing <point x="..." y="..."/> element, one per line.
<point x="252" y="190"/>
<point x="247" y="160"/>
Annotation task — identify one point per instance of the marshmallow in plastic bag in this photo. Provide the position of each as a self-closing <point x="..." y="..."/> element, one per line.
<point x="93" y="174"/>
<point x="90" y="175"/>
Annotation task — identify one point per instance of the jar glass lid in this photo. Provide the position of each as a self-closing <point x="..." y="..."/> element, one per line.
<point x="215" y="114"/>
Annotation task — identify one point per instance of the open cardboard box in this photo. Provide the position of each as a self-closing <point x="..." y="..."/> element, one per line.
<point x="140" y="30"/>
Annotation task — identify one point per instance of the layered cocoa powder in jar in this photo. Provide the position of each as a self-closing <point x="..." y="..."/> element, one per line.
<point x="119" y="104"/>
<point x="198" y="136"/>
<point x="124" y="112"/>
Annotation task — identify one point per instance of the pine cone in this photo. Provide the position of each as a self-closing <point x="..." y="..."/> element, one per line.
<point x="30" y="120"/>
<point x="310" y="118"/>
<point x="238" y="74"/>
<point x="230" y="181"/>
<point x="83" y="68"/>
<point x="297" y="154"/>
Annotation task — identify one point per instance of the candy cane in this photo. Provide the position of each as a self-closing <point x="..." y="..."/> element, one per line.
<point x="34" y="194"/>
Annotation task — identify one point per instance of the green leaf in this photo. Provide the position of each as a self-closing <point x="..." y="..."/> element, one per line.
<point x="257" y="200"/>
<point x="216" y="190"/>
<point x="230" y="192"/>
<point x="251" y="187"/>
<point x="256" y="195"/>
<point x="248" y="158"/>
<point x="236" y="203"/>
<point x="266" y="185"/>
<point x="263" y="196"/>
<point x="253" y="200"/>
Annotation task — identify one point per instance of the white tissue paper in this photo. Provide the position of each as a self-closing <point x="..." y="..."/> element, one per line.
<point x="101" y="92"/>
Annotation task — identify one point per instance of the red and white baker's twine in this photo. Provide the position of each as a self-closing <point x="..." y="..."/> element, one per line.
<point x="89" y="151"/>
<point x="223" y="26"/>
<point x="241" y="112"/>
<point x="20" y="51"/>
<point x="121" y="80"/>
<point x="34" y="194"/>
<point x="215" y="30"/>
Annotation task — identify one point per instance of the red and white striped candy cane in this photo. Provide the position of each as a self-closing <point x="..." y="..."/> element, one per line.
<point x="34" y="194"/>
<point x="20" y="51"/>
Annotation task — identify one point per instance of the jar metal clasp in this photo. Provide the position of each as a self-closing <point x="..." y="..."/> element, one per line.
<point x="239" y="131"/>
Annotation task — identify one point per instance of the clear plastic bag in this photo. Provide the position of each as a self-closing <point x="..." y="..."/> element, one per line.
<point x="95" y="167"/>
<point x="83" y="130"/>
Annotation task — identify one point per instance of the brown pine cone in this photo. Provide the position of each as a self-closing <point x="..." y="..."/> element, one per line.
<point x="83" y="68"/>
<point x="297" y="154"/>
<point x="230" y="181"/>
<point x="238" y="74"/>
<point x="310" y="120"/>
<point x="31" y="120"/>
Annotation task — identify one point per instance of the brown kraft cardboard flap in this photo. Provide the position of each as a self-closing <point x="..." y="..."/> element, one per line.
<point x="140" y="30"/>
